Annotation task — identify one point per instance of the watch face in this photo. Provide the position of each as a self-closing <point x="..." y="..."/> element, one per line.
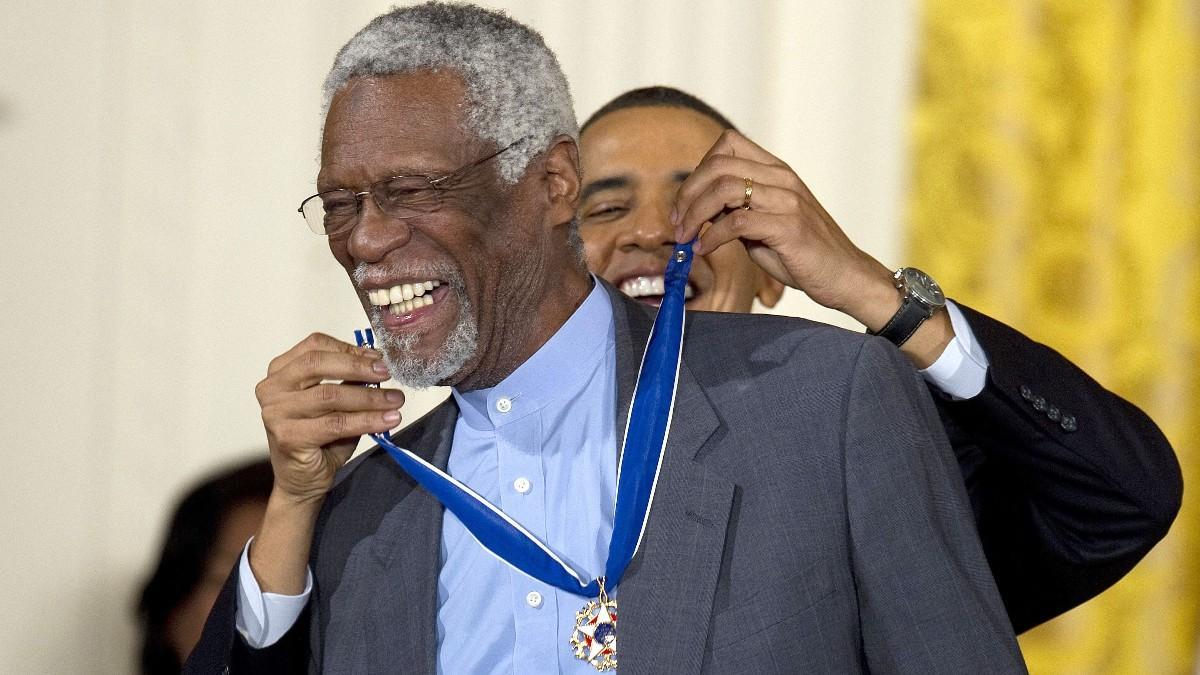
<point x="923" y="288"/>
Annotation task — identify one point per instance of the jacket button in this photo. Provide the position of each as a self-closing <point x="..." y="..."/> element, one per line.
<point x="1053" y="414"/>
<point x="1068" y="423"/>
<point x="1026" y="392"/>
<point x="1039" y="404"/>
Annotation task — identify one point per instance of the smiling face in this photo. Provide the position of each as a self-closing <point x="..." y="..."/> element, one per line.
<point x="464" y="294"/>
<point x="634" y="160"/>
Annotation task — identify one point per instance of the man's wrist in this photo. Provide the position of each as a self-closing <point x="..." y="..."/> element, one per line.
<point x="279" y="555"/>
<point x="929" y="340"/>
<point x="879" y="301"/>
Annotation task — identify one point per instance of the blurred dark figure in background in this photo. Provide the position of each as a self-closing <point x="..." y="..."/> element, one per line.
<point x="207" y="533"/>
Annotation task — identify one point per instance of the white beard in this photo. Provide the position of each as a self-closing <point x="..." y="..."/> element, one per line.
<point x="407" y="369"/>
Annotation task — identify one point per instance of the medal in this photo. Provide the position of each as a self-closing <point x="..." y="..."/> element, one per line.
<point x="594" y="638"/>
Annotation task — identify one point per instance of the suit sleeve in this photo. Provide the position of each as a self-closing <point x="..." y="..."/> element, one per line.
<point x="223" y="651"/>
<point x="1071" y="485"/>
<point x="927" y="602"/>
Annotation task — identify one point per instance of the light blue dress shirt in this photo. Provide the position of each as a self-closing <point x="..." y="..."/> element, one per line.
<point x="542" y="446"/>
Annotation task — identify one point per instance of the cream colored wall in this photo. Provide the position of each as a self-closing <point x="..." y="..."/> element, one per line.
<point x="153" y="155"/>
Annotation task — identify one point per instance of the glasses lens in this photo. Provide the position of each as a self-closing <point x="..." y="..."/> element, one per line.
<point x="330" y="212"/>
<point x="406" y="196"/>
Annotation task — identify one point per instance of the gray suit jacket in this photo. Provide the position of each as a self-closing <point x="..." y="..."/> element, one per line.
<point x="810" y="518"/>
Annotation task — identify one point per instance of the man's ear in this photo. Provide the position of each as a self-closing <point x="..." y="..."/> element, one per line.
<point x="562" y="180"/>
<point x="768" y="289"/>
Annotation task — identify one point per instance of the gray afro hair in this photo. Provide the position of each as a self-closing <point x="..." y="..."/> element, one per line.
<point x="515" y="86"/>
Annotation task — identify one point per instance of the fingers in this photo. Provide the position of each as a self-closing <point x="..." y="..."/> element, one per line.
<point x="308" y="367"/>
<point x="726" y="195"/>
<point x="314" y="342"/>
<point x="330" y="428"/>
<point x="718" y="184"/>
<point x="329" y="412"/>
<point x="741" y="225"/>
<point x="329" y="397"/>
<point x="313" y="424"/>
<point x="733" y="143"/>
<point x="298" y="390"/>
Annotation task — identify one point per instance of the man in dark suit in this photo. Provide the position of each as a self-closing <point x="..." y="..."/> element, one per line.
<point x="1071" y="485"/>
<point x="808" y="515"/>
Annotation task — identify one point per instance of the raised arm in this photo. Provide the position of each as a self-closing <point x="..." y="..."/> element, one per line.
<point x="313" y="423"/>
<point x="1063" y="511"/>
<point x="1071" y="484"/>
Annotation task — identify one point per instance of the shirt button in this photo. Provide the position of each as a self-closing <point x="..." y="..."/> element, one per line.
<point x="1068" y="423"/>
<point x="522" y="485"/>
<point x="503" y="405"/>
<point x="534" y="599"/>
<point x="1053" y="413"/>
<point x="1026" y="393"/>
<point x="1039" y="404"/>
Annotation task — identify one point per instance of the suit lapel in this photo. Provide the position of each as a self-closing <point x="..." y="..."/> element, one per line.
<point x="398" y="630"/>
<point x="666" y="597"/>
<point x="416" y="557"/>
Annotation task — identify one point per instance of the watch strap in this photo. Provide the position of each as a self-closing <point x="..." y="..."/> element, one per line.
<point x="904" y="322"/>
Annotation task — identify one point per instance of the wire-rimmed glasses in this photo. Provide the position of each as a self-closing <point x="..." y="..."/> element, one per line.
<point x="336" y="212"/>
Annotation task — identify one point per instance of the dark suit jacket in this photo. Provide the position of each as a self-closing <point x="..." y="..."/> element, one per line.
<point x="810" y="517"/>
<point x="1063" y="514"/>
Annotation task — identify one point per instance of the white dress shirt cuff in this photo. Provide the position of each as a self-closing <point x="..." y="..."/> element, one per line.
<point x="263" y="618"/>
<point x="961" y="371"/>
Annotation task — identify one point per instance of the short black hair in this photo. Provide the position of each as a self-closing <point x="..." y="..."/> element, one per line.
<point x="658" y="97"/>
<point x="190" y="540"/>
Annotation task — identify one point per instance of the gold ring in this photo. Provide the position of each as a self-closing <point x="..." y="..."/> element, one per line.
<point x="749" y="192"/>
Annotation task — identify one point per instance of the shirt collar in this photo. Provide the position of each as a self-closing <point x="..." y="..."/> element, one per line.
<point x="561" y="366"/>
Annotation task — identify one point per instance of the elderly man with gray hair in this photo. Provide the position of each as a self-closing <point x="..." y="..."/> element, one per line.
<point x="765" y="494"/>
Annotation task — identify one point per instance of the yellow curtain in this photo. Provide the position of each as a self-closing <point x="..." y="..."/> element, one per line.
<point x="1056" y="186"/>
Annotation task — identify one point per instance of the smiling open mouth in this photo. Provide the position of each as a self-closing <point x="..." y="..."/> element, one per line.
<point x="650" y="289"/>
<point x="402" y="299"/>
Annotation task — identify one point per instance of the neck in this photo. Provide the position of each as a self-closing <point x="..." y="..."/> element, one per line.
<point x="527" y="334"/>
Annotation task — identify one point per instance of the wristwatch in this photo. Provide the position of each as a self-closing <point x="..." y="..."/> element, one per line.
<point x="922" y="297"/>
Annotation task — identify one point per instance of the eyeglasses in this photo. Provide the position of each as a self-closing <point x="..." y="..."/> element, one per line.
<point x="336" y="212"/>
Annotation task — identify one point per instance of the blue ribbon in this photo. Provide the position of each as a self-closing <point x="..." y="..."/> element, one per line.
<point x="637" y="470"/>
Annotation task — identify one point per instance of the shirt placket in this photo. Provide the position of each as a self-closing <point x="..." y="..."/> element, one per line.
<point x="522" y="480"/>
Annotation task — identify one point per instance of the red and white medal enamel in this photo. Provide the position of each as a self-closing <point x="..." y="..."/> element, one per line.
<point x="595" y="636"/>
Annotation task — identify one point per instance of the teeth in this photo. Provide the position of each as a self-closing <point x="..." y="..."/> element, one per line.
<point x="405" y="298"/>
<point x="400" y="293"/>
<point x="641" y="287"/>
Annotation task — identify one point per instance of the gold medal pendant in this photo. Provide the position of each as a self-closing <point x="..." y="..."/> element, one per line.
<point x="595" y="636"/>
